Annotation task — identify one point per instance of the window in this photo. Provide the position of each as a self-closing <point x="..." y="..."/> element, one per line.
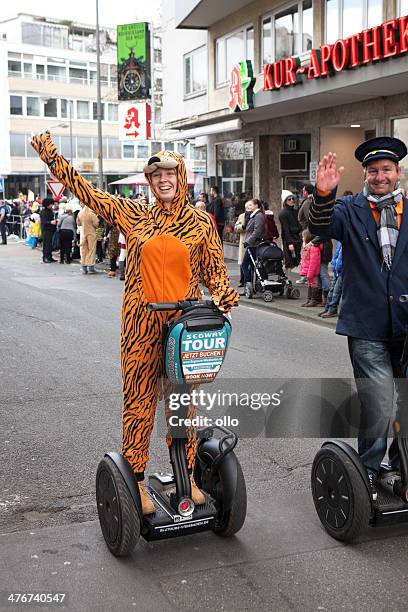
<point x="347" y="17"/>
<point x="112" y="112"/>
<point x="169" y="146"/>
<point x="40" y="71"/>
<point x="114" y="148"/>
<point x="156" y="147"/>
<point x="78" y="75"/>
<point x="182" y="148"/>
<point x="142" y="151"/>
<point x="17" y="145"/>
<point x="287" y="32"/>
<point x="403" y="7"/>
<point x="28" y="70"/>
<point x="16" y="105"/>
<point x="44" y="35"/>
<point x="65" y="147"/>
<point x="82" y="109"/>
<point x="14" y="68"/>
<point x="158" y="115"/>
<point x="128" y="151"/>
<point x="56" y="73"/>
<point x="104" y="147"/>
<point x="231" y="49"/>
<point x="33" y="107"/>
<point x="50" y="108"/>
<point x="95" y="111"/>
<point x="195" y="72"/>
<point x="84" y="147"/>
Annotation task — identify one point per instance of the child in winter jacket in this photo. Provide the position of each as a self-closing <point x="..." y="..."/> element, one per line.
<point x="310" y="267"/>
<point x="334" y="296"/>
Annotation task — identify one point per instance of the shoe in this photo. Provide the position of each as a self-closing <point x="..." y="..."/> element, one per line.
<point x="372" y="477"/>
<point x="85" y="269"/>
<point x="301" y="281"/>
<point x="61" y="262"/>
<point x="314" y="301"/>
<point x="196" y="495"/>
<point x="111" y="274"/>
<point x="91" y="270"/>
<point x="309" y="297"/>
<point x="241" y="285"/>
<point x="328" y="314"/>
<point x="52" y="260"/>
<point x="147" y="504"/>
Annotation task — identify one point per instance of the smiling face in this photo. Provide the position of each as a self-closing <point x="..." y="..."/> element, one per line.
<point x="381" y="176"/>
<point x="164" y="183"/>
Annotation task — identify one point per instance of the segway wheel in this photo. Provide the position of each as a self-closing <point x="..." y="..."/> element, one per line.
<point x="268" y="296"/>
<point x="118" y="516"/>
<point x="294" y="294"/>
<point x="248" y="291"/>
<point x="340" y="496"/>
<point x="227" y="523"/>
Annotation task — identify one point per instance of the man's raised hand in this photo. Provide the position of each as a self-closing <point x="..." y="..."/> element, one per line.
<point x="328" y="175"/>
<point x="43" y="145"/>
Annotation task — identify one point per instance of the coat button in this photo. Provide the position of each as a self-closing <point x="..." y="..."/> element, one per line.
<point x="367" y="238"/>
<point x="391" y="298"/>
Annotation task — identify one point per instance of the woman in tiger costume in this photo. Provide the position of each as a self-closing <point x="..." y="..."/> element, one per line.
<point x="171" y="248"/>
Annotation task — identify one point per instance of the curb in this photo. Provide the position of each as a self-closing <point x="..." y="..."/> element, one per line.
<point x="331" y="323"/>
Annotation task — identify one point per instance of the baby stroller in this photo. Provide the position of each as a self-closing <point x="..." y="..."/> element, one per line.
<point x="268" y="276"/>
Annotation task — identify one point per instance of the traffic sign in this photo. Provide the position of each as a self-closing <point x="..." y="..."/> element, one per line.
<point x="56" y="187"/>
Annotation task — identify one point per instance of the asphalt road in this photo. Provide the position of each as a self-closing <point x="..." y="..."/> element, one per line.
<point x="60" y="406"/>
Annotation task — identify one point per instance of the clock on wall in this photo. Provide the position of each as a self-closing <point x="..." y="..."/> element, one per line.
<point x="132" y="78"/>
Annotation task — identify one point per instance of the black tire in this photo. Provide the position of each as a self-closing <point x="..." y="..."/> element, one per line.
<point x="118" y="516"/>
<point x="339" y="494"/>
<point x="294" y="294"/>
<point x="248" y="291"/>
<point x="268" y="296"/>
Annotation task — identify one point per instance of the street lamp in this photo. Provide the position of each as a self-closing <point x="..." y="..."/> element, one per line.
<point x="98" y="100"/>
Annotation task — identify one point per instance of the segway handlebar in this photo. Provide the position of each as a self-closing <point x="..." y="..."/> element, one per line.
<point x="182" y="305"/>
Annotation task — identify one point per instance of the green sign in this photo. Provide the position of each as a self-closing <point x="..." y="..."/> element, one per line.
<point x="134" y="74"/>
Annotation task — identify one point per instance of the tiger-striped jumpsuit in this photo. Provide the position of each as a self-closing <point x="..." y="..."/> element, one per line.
<point x="169" y="252"/>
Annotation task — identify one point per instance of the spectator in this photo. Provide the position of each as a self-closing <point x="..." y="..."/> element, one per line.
<point x="255" y="233"/>
<point x="290" y="230"/>
<point x="113" y="248"/>
<point x="88" y="221"/>
<point x="334" y="296"/>
<point x="201" y="206"/>
<point x="34" y="229"/>
<point x="216" y="208"/>
<point x="67" y="229"/>
<point x="324" y="278"/>
<point x="203" y="197"/>
<point x="271" y="231"/>
<point x="303" y="213"/>
<point x="122" y="257"/>
<point x="240" y="228"/>
<point x="3" y="222"/>
<point x="310" y="268"/>
<point x="48" y="227"/>
<point x="100" y="233"/>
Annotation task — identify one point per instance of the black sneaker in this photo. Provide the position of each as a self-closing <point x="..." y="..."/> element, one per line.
<point x="372" y="479"/>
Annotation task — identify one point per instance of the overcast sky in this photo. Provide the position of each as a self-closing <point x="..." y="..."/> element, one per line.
<point x="111" y="12"/>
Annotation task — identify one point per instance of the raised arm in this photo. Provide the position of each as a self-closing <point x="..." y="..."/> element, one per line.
<point x="326" y="219"/>
<point x="214" y="270"/>
<point x="121" y="212"/>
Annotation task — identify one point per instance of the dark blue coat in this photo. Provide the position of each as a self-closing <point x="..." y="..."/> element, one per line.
<point x="370" y="307"/>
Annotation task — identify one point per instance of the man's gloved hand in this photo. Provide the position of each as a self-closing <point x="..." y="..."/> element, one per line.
<point x="45" y="148"/>
<point x="226" y="299"/>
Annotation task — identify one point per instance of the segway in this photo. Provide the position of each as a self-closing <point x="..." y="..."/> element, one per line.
<point x="341" y="489"/>
<point x="194" y="347"/>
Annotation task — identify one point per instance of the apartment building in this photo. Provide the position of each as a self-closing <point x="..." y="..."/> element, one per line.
<point x="288" y="81"/>
<point x="49" y="76"/>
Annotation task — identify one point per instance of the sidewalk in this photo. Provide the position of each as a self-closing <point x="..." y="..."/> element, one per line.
<point x="282" y="305"/>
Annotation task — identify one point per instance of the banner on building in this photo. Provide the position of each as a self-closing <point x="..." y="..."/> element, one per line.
<point x="134" y="71"/>
<point x="134" y="120"/>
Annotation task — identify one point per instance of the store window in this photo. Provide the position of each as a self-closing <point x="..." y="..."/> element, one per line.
<point x="84" y="147"/>
<point x="235" y="178"/>
<point x="347" y="17"/>
<point x="33" y="106"/>
<point x="17" y="145"/>
<point x="50" y="108"/>
<point x="400" y="130"/>
<point x="16" y="105"/>
<point x="82" y="109"/>
<point x="195" y="72"/>
<point x="287" y="32"/>
<point x="231" y="49"/>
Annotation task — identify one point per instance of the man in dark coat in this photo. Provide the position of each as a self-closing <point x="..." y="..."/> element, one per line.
<point x="290" y="230"/>
<point x="216" y="208"/>
<point x="48" y="226"/>
<point x="303" y="213"/>
<point x="373" y="229"/>
<point x="255" y="233"/>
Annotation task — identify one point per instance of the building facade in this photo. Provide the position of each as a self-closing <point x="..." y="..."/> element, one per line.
<point x="49" y="70"/>
<point x="311" y="76"/>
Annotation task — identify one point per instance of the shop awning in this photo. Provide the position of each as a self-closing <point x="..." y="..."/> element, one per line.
<point x="140" y="179"/>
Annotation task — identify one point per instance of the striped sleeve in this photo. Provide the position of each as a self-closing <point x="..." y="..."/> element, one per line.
<point x="321" y="210"/>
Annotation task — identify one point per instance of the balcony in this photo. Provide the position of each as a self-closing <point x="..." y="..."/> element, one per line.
<point x="202" y="14"/>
